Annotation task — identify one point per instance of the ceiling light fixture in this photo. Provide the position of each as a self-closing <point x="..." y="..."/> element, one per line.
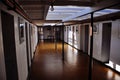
<point x="52" y="7"/>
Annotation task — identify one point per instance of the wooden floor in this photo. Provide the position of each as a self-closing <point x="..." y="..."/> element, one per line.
<point x="48" y="64"/>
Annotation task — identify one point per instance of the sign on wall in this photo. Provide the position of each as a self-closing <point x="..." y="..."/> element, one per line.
<point x="21" y="29"/>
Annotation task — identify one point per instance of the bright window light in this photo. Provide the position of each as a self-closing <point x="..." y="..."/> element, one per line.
<point x="70" y="35"/>
<point x="118" y="67"/>
<point x="61" y="12"/>
<point x="71" y="56"/>
<point x="110" y="64"/>
<point x="75" y="51"/>
<point x="46" y="24"/>
<point x="75" y="36"/>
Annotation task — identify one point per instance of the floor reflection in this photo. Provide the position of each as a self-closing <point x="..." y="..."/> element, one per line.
<point x="48" y="64"/>
<point x="71" y="55"/>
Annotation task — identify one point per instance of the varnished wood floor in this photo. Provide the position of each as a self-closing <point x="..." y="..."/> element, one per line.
<point x="48" y="65"/>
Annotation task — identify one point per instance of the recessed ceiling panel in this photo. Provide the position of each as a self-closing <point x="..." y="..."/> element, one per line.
<point x="61" y="12"/>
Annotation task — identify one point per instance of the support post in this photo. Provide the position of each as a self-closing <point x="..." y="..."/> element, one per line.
<point x="91" y="49"/>
<point x="63" y="41"/>
<point x="55" y="29"/>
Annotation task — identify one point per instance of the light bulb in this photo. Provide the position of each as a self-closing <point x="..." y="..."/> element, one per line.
<point x="52" y="8"/>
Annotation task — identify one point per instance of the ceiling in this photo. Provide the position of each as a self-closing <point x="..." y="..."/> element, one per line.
<point x="39" y="11"/>
<point x="61" y="12"/>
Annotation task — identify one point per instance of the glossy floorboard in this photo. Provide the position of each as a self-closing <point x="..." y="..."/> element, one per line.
<point x="48" y="65"/>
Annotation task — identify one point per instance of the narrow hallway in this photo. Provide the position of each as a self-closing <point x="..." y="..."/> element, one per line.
<point x="48" y="64"/>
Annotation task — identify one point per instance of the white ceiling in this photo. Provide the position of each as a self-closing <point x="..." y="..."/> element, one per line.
<point x="39" y="11"/>
<point x="61" y="12"/>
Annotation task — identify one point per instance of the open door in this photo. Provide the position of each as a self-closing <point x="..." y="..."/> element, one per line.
<point x="86" y="38"/>
<point x="27" y="46"/>
<point x="30" y="44"/>
<point x="9" y="46"/>
<point x="106" y="40"/>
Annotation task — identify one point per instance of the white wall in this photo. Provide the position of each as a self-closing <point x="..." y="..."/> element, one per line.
<point x="34" y="38"/>
<point x="21" y="54"/>
<point x="97" y="41"/>
<point x="68" y="36"/>
<point x="77" y="36"/>
<point x="115" y="42"/>
<point x="114" y="61"/>
<point x="65" y="34"/>
<point x="20" y="51"/>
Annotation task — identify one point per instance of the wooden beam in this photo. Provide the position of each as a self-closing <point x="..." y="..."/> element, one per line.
<point x="32" y="8"/>
<point x="96" y="1"/>
<point x="57" y="3"/>
<point x="13" y="5"/>
<point x="47" y="21"/>
<point x="46" y="11"/>
<point x="35" y="11"/>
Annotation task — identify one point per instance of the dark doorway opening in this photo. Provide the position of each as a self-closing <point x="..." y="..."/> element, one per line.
<point x="9" y="46"/>
<point x="27" y="46"/>
<point x="30" y="34"/>
<point x="86" y="38"/>
<point x="106" y="39"/>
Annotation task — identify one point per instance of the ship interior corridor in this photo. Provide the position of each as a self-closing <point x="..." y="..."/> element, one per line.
<point x="48" y="64"/>
<point x="59" y="39"/>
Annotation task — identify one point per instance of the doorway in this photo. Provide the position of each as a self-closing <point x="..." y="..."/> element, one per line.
<point x="30" y="40"/>
<point x="57" y="33"/>
<point x="106" y="39"/>
<point x="73" y="36"/>
<point x="27" y="46"/>
<point x="9" y="46"/>
<point x="86" y="38"/>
